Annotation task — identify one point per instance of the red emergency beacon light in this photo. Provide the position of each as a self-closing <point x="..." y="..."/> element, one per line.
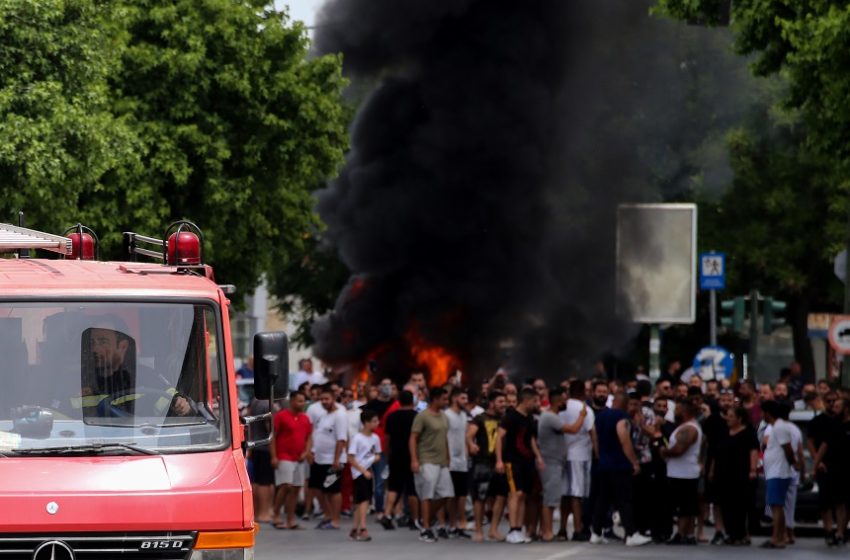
<point x="84" y="243"/>
<point x="180" y="247"/>
<point x="184" y="245"/>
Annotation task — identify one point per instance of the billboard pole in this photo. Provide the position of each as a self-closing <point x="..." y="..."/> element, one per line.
<point x="654" y="351"/>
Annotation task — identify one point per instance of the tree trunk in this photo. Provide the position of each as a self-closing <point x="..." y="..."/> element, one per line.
<point x="798" y="316"/>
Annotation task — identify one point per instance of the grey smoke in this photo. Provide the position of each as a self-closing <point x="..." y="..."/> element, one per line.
<point x="478" y="200"/>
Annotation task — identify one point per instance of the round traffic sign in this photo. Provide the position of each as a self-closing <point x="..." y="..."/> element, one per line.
<point x="839" y="334"/>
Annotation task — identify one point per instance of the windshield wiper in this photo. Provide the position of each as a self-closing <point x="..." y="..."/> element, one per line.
<point x="91" y="448"/>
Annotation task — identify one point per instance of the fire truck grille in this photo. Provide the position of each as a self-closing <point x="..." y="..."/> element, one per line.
<point x="135" y="546"/>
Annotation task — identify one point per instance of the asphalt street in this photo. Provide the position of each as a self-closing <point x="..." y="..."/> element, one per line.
<point x="403" y="544"/>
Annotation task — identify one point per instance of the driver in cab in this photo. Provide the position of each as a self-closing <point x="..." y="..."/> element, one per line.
<point x="109" y="348"/>
<point x="113" y="384"/>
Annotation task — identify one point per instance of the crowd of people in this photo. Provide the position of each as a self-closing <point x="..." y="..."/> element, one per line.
<point x="663" y="459"/>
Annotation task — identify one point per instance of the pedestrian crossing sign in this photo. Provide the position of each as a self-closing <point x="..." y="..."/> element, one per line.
<point x="712" y="271"/>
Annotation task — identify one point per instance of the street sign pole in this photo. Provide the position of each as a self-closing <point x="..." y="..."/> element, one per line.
<point x="712" y="312"/>
<point x="712" y="277"/>
<point x="754" y="330"/>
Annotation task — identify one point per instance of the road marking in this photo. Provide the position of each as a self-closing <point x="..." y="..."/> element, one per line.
<point x="565" y="554"/>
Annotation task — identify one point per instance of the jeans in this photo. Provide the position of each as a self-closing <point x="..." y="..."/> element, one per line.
<point x="615" y="489"/>
<point x="380" y="483"/>
<point x="589" y="504"/>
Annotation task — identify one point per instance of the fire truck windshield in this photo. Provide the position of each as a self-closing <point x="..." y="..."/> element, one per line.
<point x="110" y="377"/>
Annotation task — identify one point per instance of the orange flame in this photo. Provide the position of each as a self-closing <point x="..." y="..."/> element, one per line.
<point x="439" y="362"/>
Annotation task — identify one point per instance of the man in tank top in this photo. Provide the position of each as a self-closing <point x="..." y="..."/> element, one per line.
<point x="683" y="470"/>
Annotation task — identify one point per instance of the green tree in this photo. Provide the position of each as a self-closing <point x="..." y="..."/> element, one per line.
<point x="58" y="136"/>
<point x="785" y="217"/>
<point x="308" y="282"/>
<point x="127" y="115"/>
<point x="778" y="221"/>
<point x="807" y="40"/>
<point x="236" y="125"/>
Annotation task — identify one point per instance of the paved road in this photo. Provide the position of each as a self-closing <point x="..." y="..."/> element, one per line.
<point x="403" y="544"/>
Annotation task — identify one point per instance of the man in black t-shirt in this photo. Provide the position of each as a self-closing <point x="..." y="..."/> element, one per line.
<point x="485" y="483"/>
<point x="384" y="400"/>
<point x="817" y="433"/>
<point x="833" y="460"/>
<point x="517" y="455"/>
<point x="716" y="430"/>
<point x="400" y="481"/>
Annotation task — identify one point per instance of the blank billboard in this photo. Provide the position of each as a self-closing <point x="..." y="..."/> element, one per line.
<point x="656" y="262"/>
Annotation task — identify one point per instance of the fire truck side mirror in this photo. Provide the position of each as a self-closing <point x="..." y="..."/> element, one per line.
<point x="271" y="365"/>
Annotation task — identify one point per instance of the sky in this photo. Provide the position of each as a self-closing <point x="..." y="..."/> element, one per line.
<point x="303" y="10"/>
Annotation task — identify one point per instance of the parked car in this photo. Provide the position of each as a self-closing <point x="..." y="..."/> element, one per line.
<point x="245" y="393"/>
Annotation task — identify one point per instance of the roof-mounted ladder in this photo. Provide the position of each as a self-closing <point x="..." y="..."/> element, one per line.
<point x="13" y="238"/>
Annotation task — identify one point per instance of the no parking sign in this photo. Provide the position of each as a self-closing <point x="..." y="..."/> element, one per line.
<point x="839" y="334"/>
<point x="714" y="362"/>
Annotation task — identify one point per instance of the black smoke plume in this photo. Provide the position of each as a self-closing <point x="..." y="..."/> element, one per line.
<point x="477" y="205"/>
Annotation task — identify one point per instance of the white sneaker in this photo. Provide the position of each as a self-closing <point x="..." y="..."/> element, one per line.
<point x="515" y="537"/>
<point x="597" y="539"/>
<point x="637" y="540"/>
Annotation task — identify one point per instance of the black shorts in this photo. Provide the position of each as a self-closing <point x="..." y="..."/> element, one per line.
<point x="262" y="473"/>
<point x="485" y="483"/>
<point x="362" y="489"/>
<point x="833" y="489"/>
<point x="319" y="476"/>
<point x="400" y="480"/>
<point x="684" y="496"/>
<point x="460" y="481"/>
<point x="520" y="476"/>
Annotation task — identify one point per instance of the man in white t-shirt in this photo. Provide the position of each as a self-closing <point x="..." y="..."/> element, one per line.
<point x="305" y="374"/>
<point x="330" y="433"/>
<point x="579" y="457"/>
<point x="779" y="461"/>
<point x="473" y="409"/>
<point x="352" y="413"/>
<point x="458" y="463"/>
<point x="796" y="475"/>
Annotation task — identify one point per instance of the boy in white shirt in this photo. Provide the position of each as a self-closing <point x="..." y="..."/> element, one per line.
<point x="363" y="451"/>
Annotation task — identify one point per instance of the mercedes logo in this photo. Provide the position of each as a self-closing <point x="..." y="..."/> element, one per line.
<point x="53" y="550"/>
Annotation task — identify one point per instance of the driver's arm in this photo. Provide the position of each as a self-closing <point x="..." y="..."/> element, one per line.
<point x="181" y="406"/>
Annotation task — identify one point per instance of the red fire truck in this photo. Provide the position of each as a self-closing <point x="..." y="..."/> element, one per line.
<point x="119" y="430"/>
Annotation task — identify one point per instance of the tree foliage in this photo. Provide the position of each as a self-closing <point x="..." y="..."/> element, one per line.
<point x="58" y="136"/>
<point x="146" y="111"/>
<point x="808" y="41"/>
<point x="780" y="222"/>
<point x="785" y="216"/>
<point x="236" y="126"/>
